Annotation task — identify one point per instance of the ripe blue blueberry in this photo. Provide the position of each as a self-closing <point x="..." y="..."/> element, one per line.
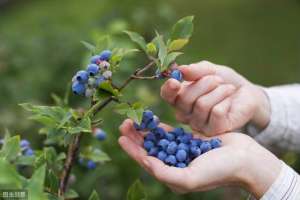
<point x="29" y="152"/>
<point x="105" y="55"/>
<point x="159" y="132"/>
<point x="148" y="145"/>
<point x="171" y="160"/>
<point x="162" y="155"/>
<point x="171" y="148"/>
<point x="184" y="138"/>
<point x="215" y="143"/>
<point x="153" y="151"/>
<point x="194" y="142"/>
<point x="150" y="137"/>
<point x="100" y="134"/>
<point x="92" y="69"/>
<point x="81" y="161"/>
<point x="181" y="155"/>
<point x="183" y="147"/>
<point x="178" y="131"/>
<point x="78" y="88"/>
<point x="195" y="151"/>
<point x="176" y="74"/>
<point x="181" y="165"/>
<point x="91" y="164"/>
<point x="205" y="146"/>
<point x="148" y="115"/>
<point x="95" y="59"/>
<point x="170" y="136"/>
<point x="152" y="124"/>
<point x="137" y="126"/>
<point x="163" y="143"/>
<point x="24" y="144"/>
<point x="82" y="76"/>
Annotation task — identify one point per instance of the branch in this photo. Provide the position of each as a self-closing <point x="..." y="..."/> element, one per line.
<point x="95" y="108"/>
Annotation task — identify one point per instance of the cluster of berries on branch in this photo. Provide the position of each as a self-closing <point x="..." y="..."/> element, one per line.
<point x="85" y="82"/>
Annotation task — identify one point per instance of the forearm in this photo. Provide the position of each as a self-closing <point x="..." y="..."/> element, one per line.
<point x="284" y="128"/>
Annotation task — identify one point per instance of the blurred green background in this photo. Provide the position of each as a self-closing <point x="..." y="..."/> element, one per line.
<point x="40" y="51"/>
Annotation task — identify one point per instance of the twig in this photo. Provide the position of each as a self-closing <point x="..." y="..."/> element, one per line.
<point x="95" y="108"/>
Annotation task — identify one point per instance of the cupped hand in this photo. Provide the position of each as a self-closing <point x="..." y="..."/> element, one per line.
<point x="240" y="161"/>
<point x="215" y="99"/>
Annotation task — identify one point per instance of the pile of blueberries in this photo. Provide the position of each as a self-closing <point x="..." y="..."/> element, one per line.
<point x="85" y="82"/>
<point x="175" y="148"/>
<point x="100" y="135"/>
<point x="25" y="147"/>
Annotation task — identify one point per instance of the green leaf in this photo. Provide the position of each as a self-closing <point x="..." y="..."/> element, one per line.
<point x="162" y="48"/>
<point x="51" y="181"/>
<point x="136" y="191"/>
<point x="151" y="49"/>
<point x="89" y="46"/>
<point x="71" y="194"/>
<point x="35" y="185"/>
<point x="9" y="177"/>
<point x="25" y="160"/>
<point x="183" y="29"/>
<point x="106" y="86"/>
<point x="94" y="196"/>
<point x="177" y="44"/>
<point x="122" y="108"/>
<point x="84" y="126"/>
<point x="137" y="38"/>
<point x="169" y="59"/>
<point x="94" y="154"/>
<point x="11" y="148"/>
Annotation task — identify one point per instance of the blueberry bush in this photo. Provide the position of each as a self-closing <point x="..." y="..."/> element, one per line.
<point x="65" y="128"/>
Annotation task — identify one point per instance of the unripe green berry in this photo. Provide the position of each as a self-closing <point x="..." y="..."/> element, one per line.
<point x="151" y="49"/>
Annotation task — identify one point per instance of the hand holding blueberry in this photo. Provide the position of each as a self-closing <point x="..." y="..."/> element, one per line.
<point x="239" y="161"/>
<point x="215" y="99"/>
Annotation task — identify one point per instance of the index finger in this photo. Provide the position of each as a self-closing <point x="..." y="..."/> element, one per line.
<point x="196" y="71"/>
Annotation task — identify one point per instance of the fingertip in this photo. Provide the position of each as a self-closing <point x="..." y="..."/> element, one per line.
<point x="173" y="84"/>
<point x="127" y="123"/>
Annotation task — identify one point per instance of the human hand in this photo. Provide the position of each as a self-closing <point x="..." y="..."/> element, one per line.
<point x="215" y="99"/>
<point x="239" y="161"/>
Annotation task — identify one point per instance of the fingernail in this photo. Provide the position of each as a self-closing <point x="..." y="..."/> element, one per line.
<point x="173" y="86"/>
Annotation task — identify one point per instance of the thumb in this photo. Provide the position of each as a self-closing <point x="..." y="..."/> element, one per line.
<point x="196" y="71"/>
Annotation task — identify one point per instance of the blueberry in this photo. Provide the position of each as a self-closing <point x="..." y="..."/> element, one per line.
<point x="162" y="155"/>
<point x="185" y="138"/>
<point x="215" y="143"/>
<point x="172" y="147"/>
<point x="195" y="151"/>
<point x="150" y="137"/>
<point x="95" y="59"/>
<point x="181" y="165"/>
<point x="29" y="152"/>
<point x="107" y="74"/>
<point x="163" y="143"/>
<point x="24" y="144"/>
<point x="178" y="131"/>
<point x="176" y="74"/>
<point x="100" y="134"/>
<point x="171" y="160"/>
<point x="78" y="88"/>
<point x="81" y="161"/>
<point x="148" y="145"/>
<point x="169" y="136"/>
<point x="99" y="80"/>
<point x="89" y="92"/>
<point x="183" y="147"/>
<point x="82" y="76"/>
<point x="105" y="55"/>
<point x="153" y="151"/>
<point x="92" y="69"/>
<point x="91" y="164"/>
<point x="152" y="124"/>
<point x="181" y="155"/>
<point x="159" y="75"/>
<point x="136" y="126"/>
<point x="159" y="132"/>
<point x="194" y="142"/>
<point x="148" y="115"/>
<point x="205" y="146"/>
<point x="104" y="65"/>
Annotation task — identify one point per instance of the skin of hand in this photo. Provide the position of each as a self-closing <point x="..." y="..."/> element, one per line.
<point x="240" y="161"/>
<point x="215" y="99"/>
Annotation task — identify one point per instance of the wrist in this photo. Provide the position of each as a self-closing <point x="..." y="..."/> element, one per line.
<point x="262" y="114"/>
<point x="260" y="170"/>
